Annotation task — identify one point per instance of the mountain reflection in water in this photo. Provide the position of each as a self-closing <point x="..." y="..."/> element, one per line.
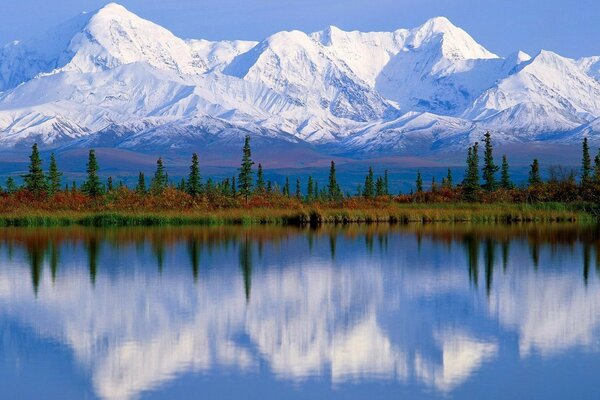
<point x="429" y="309"/>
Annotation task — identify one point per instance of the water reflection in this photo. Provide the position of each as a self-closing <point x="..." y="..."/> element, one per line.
<point x="431" y="308"/>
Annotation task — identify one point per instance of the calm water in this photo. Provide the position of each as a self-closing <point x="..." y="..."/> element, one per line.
<point x="434" y="312"/>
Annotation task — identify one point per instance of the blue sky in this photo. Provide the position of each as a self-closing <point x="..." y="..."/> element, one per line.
<point x="570" y="28"/>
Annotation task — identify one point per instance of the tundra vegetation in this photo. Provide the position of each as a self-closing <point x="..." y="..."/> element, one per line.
<point x="486" y="194"/>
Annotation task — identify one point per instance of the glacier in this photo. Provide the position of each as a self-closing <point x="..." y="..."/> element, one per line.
<point x="110" y="78"/>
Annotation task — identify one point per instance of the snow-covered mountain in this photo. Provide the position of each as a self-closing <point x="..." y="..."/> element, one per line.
<point x="112" y="78"/>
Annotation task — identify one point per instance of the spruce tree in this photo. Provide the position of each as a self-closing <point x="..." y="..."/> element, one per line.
<point x="109" y="184"/>
<point x="449" y="184"/>
<point x="54" y="177"/>
<point x="35" y="181"/>
<point x="597" y="168"/>
<point x="534" y="174"/>
<point x="92" y="186"/>
<point x="369" y="189"/>
<point x="245" y="176"/>
<point x="260" y="179"/>
<point x="586" y="163"/>
<point x="286" y="187"/>
<point x="160" y="181"/>
<point x="11" y="186"/>
<point x="471" y="181"/>
<point x="489" y="167"/>
<point x="182" y="186"/>
<point x="380" y="187"/>
<point x="310" y="189"/>
<point x="298" y="189"/>
<point x="193" y="186"/>
<point x="141" y="185"/>
<point x="433" y="185"/>
<point x="505" y="181"/>
<point x="233" y="187"/>
<point x="269" y="187"/>
<point x="386" y="183"/>
<point x="419" y="182"/>
<point x="334" y="191"/>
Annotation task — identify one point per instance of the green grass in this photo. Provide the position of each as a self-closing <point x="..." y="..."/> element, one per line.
<point x="392" y="213"/>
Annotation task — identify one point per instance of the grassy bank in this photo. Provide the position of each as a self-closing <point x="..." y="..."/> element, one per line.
<point x="392" y="213"/>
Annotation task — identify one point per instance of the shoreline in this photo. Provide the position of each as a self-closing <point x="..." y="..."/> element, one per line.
<point x="308" y="216"/>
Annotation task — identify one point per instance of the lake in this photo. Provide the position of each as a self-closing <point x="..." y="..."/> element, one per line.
<point x="416" y="312"/>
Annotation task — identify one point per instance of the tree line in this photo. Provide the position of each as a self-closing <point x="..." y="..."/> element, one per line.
<point x="489" y="182"/>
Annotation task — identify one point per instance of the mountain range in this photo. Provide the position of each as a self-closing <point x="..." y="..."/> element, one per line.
<point x="112" y="79"/>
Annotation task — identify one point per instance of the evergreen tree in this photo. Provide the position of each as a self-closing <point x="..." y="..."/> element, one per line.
<point x="505" y="181"/>
<point x="489" y="167"/>
<point x="534" y="174"/>
<point x="233" y="187"/>
<point x="335" y="193"/>
<point x="160" y="181"/>
<point x="92" y="186"/>
<point x="210" y="186"/>
<point x="269" y="187"/>
<point x="310" y="190"/>
<point x="109" y="184"/>
<point x="245" y="176"/>
<point x="586" y="163"/>
<point x="286" y="187"/>
<point x="386" y="183"/>
<point x="419" y="182"/>
<point x="182" y="187"/>
<point x="597" y="168"/>
<point x="448" y="183"/>
<point x="298" y="189"/>
<point x="369" y="189"/>
<point x="471" y="181"/>
<point x="194" y="182"/>
<point x="433" y="185"/>
<point x="141" y="185"/>
<point x="35" y="181"/>
<point x="11" y="186"/>
<point x="380" y="187"/>
<point x="260" y="179"/>
<point x="54" y="177"/>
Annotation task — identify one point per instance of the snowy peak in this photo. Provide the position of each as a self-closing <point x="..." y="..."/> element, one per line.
<point x="456" y="44"/>
<point x="114" y="36"/>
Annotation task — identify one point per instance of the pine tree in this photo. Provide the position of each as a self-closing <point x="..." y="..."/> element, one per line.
<point x="433" y="185"/>
<point x="11" y="186"/>
<point x="586" y="163"/>
<point x="109" y="184"/>
<point x="260" y="179"/>
<point x="35" y="181"/>
<point x="534" y="174"/>
<point x="54" y="177"/>
<point x="505" y="181"/>
<point x="386" y="183"/>
<point x="160" y="181"/>
<point x="471" y="181"/>
<point x="334" y="191"/>
<point x="317" y="193"/>
<point x="298" y="189"/>
<point x="310" y="189"/>
<point x="193" y="186"/>
<point x="245" y="176"/>
<point x="489" y="167"/>
<point x="233" y="187"/>
<point x="369" y="189"/>
<point x="419" y="182"/>
<point x="380" y="187"/>
<point x="141" y="185"/>
<point x="92" y="186"/>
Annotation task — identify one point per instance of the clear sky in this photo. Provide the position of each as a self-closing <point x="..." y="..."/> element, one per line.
<point x="568" y="27"/>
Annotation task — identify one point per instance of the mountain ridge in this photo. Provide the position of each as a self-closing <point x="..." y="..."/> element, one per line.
<point x="431" y="88"/>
